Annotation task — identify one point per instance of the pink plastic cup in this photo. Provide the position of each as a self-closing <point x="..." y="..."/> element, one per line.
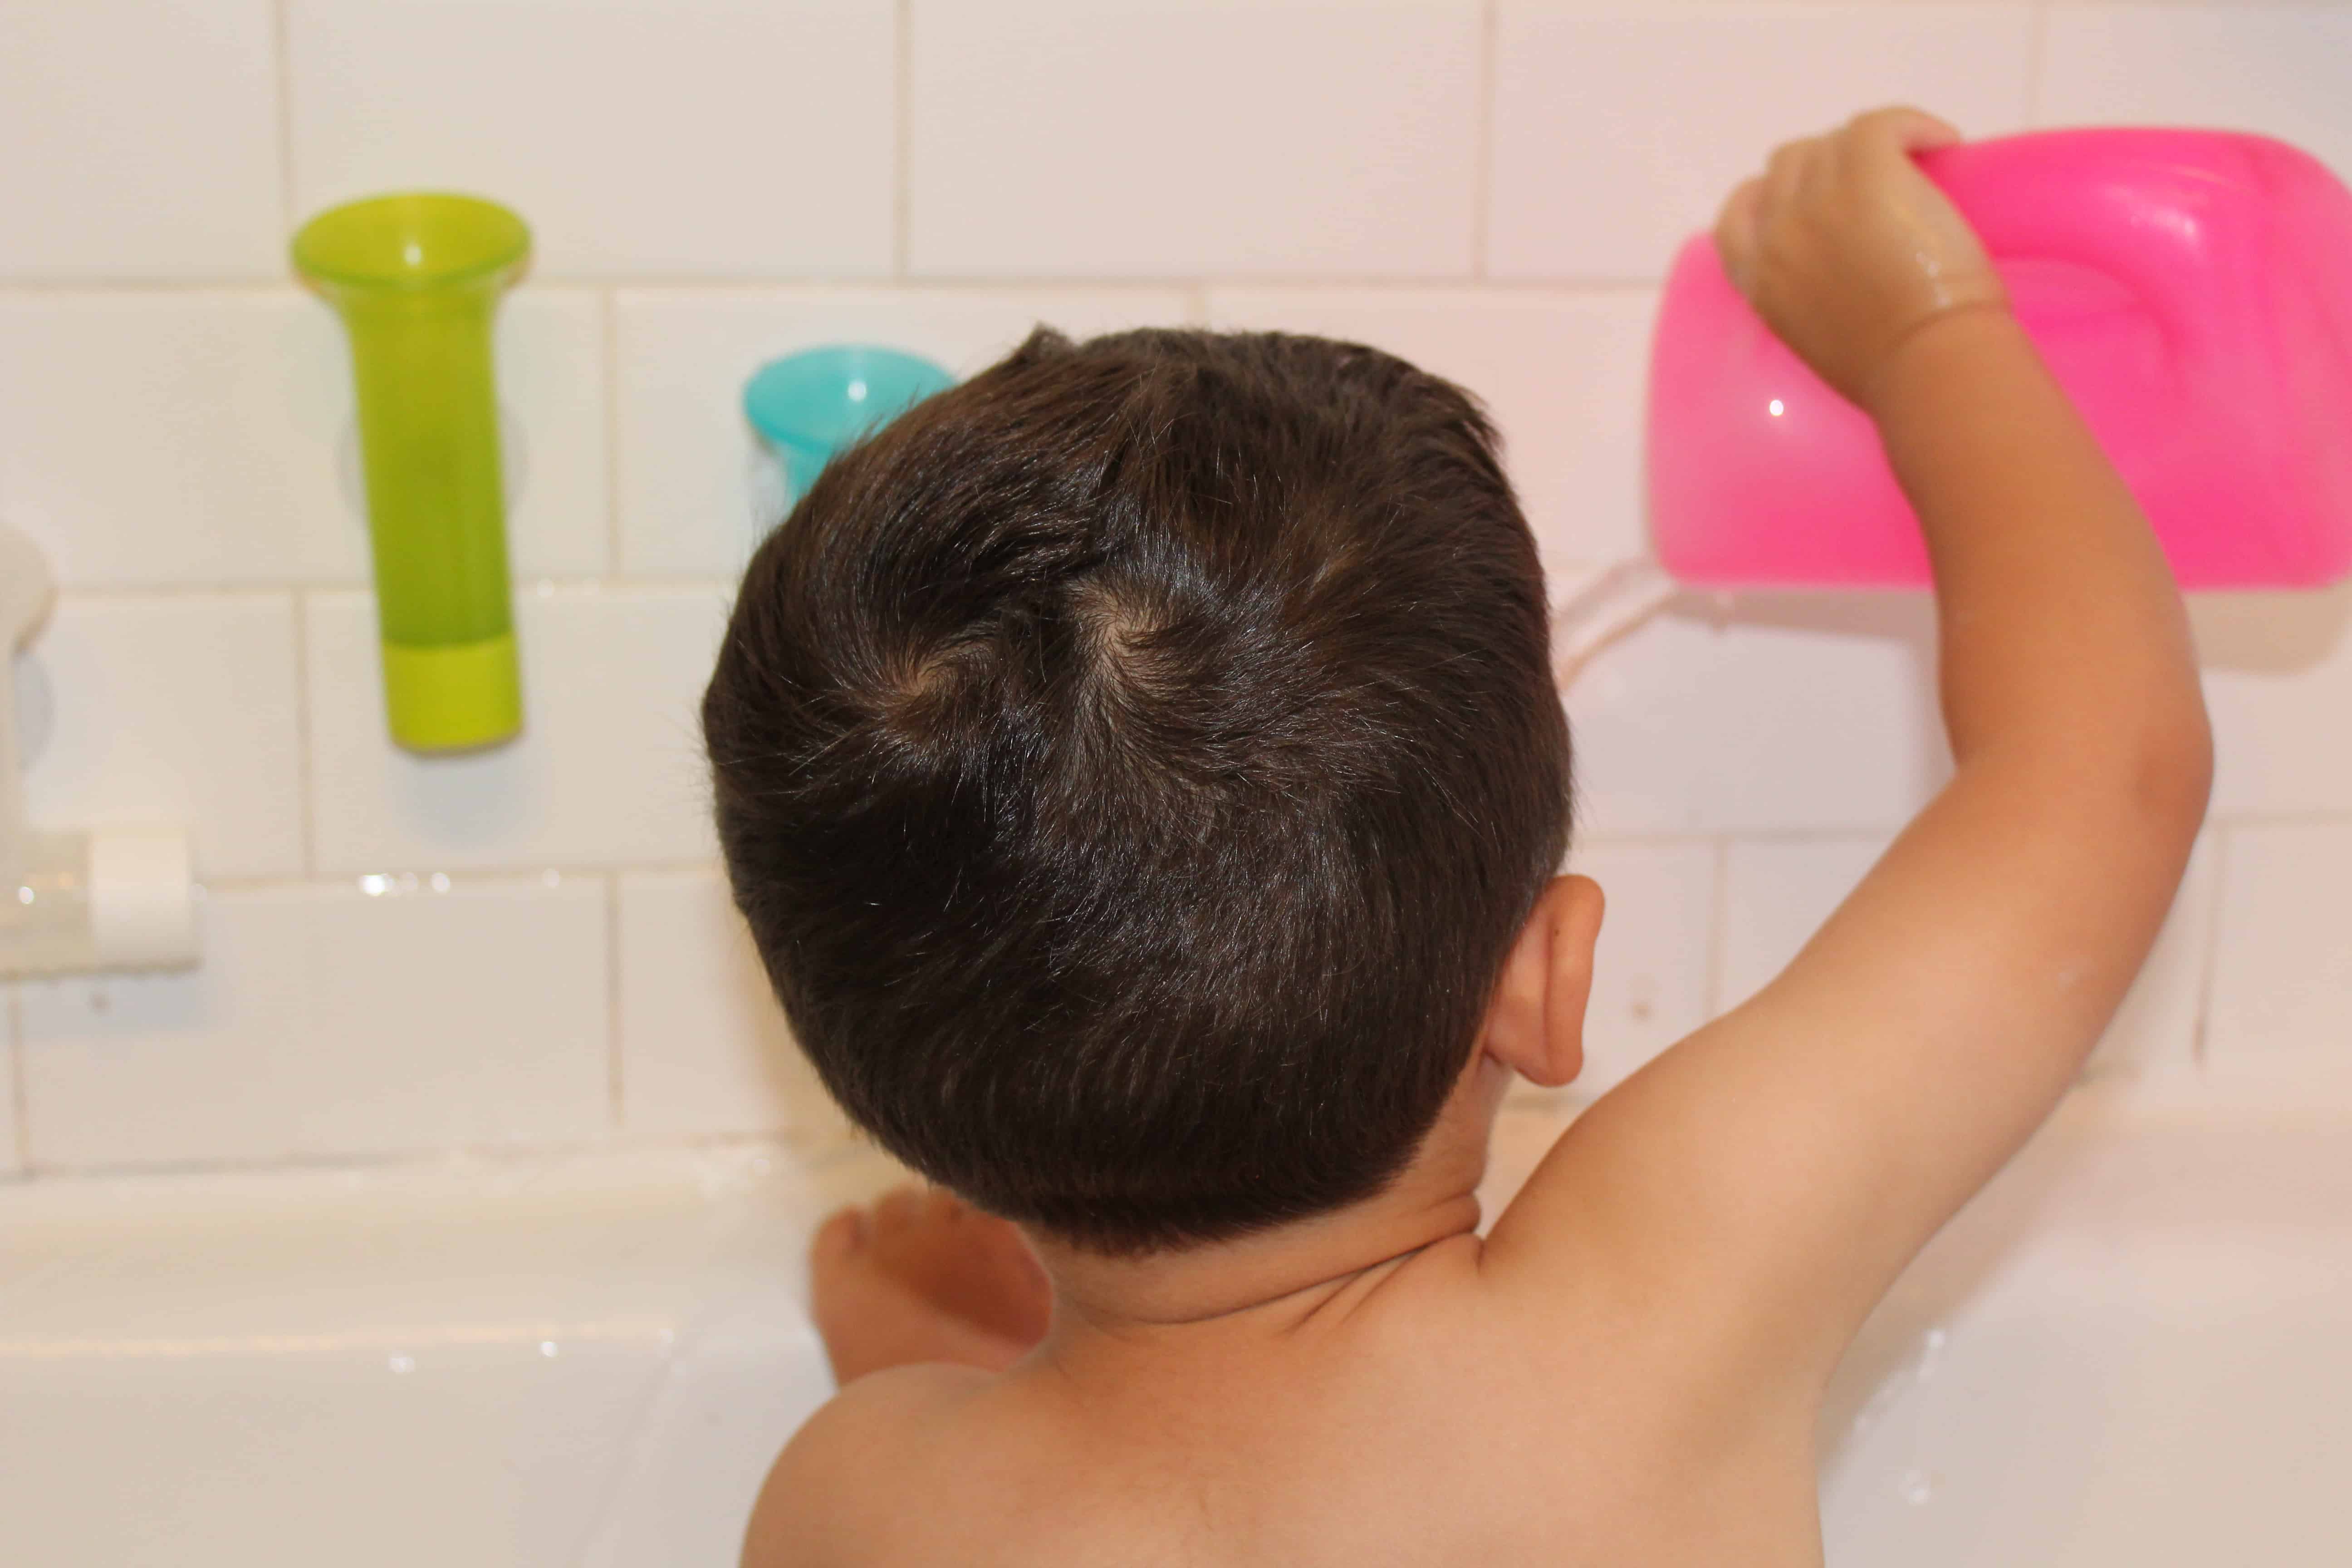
<point x="2192" y="291"/>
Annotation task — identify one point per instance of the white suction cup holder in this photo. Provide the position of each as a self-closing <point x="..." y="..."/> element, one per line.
<point x="121" y="898"/>
<point x="1603" y="607"/>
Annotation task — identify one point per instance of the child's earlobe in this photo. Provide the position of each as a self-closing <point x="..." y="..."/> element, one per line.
<point x="1578" y="906"/>
<point x="1535" y="1024"/>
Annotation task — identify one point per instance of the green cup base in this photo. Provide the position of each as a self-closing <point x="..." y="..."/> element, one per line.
<point x="452" y="697"/>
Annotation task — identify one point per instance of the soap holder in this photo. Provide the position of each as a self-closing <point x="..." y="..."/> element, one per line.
<point x="117" y="899"/>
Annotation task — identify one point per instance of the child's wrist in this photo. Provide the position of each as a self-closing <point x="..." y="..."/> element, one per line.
<point x="1917" y="370"/>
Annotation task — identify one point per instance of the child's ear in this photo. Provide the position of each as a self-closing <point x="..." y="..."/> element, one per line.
<point x="1535" y="1024"/>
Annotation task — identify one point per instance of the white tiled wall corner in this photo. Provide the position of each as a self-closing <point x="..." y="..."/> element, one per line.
<point x="208" y="436"/>
<point x="2283" y="961"/>
<point x="704" y="1047"/>
<point x="1619" y="129"/>
<point x="141" y="140"/>
<point x="1155" y="140"/>
<point x="177" y="709"/>
<point x="2278" y="682"/>
<point x="1563" y="373"/>
<point x="326" y="1022"/>
<point x="1777" y="893"/>
<point x="608" y="768"/>
<point x="2279" y="69"/>
<point x="682" y="358"/>
<point x="1649" y="975"/>
<point x="1784" y="713"/>
<point x="677" y="137"/>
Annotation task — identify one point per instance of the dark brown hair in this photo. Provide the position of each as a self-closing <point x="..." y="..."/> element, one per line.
<point x="1134" y="765"/>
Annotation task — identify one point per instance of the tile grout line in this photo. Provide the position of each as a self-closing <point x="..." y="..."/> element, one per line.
<point x="1580" y="284"/>
<point x="1482" y="173"/>
<point x="902" y="114"/>
<point x="613" y="1081"/>
<point x="2037" y="34"/>
<point x="609" y="315"/>
<point x="2210" y="960"/>
<point x="20" y="1117"/>
<point x="511" y="876"/>
<point x="303" y="769"/>
<point x="279" y="31"/>
<point x="437" y="1159"/>
<point x="577" y="584"/>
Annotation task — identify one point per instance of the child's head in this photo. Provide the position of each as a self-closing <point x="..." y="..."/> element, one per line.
<point x="1135" y="764"/>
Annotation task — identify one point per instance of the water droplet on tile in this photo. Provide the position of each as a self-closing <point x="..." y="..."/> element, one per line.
<point x="547" y="1348"/>
<point x="402" y="1365"/>
<point x="1918" y="1487"/>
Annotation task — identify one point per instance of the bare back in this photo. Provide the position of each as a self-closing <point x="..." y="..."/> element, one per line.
<point x="1428" y="1414"/>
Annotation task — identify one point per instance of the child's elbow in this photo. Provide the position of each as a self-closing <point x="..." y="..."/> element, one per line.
<point x="2172" y="771"/>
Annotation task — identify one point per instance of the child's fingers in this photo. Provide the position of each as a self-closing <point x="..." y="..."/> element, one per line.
<point x="1784" y="170"/>
<point x="1900" y="129"/>
<point x="1735" y="233"/>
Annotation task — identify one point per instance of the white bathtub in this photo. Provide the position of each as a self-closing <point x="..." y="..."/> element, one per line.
<point x="2131" y="1350"/>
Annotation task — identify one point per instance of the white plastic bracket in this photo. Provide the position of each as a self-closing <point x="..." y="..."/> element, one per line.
<point x="121" y="898"/>
<point x="1604" y="608"/>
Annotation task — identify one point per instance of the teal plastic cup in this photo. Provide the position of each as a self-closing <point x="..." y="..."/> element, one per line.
<point x="809" y="405"/>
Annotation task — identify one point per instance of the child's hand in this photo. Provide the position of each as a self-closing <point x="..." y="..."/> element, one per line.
<point x="1846" y="249"/>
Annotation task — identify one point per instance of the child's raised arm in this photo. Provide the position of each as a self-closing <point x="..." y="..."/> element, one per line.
<point x="1758" y="1188"/>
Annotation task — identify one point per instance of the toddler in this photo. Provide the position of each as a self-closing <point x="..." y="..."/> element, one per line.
<point x="1141" y="774"/>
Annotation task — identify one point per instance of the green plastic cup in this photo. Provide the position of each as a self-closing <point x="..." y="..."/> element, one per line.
<point x="416" y="279"/>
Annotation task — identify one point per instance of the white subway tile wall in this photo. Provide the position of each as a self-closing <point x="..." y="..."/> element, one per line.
<point x="1151" y="139"/>
<point x="2278" y="69"/>
<point x="1650" y="968"/>
<point x="1619" y="129"/>
<point x="2278" y="681"/>
<point x="174" y="439"/>
<point x="1773" y="713"/>
<point x="704" y="1049"/>
<point x="142" y="141"/>
<point x="2282" y="967"/>
<point x="164" y="710"/>
<point x="532" y="946"/>
<point x="376" y="1017"/>
<point x="689" y="138"/>
<point x="11" y="1148"/>
<point x="608" y="768"/>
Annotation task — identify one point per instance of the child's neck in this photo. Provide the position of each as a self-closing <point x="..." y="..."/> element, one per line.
<point x="1268" y="1283"/>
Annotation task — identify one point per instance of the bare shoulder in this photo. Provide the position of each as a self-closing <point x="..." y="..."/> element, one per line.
<point x="836" y="1481"/>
